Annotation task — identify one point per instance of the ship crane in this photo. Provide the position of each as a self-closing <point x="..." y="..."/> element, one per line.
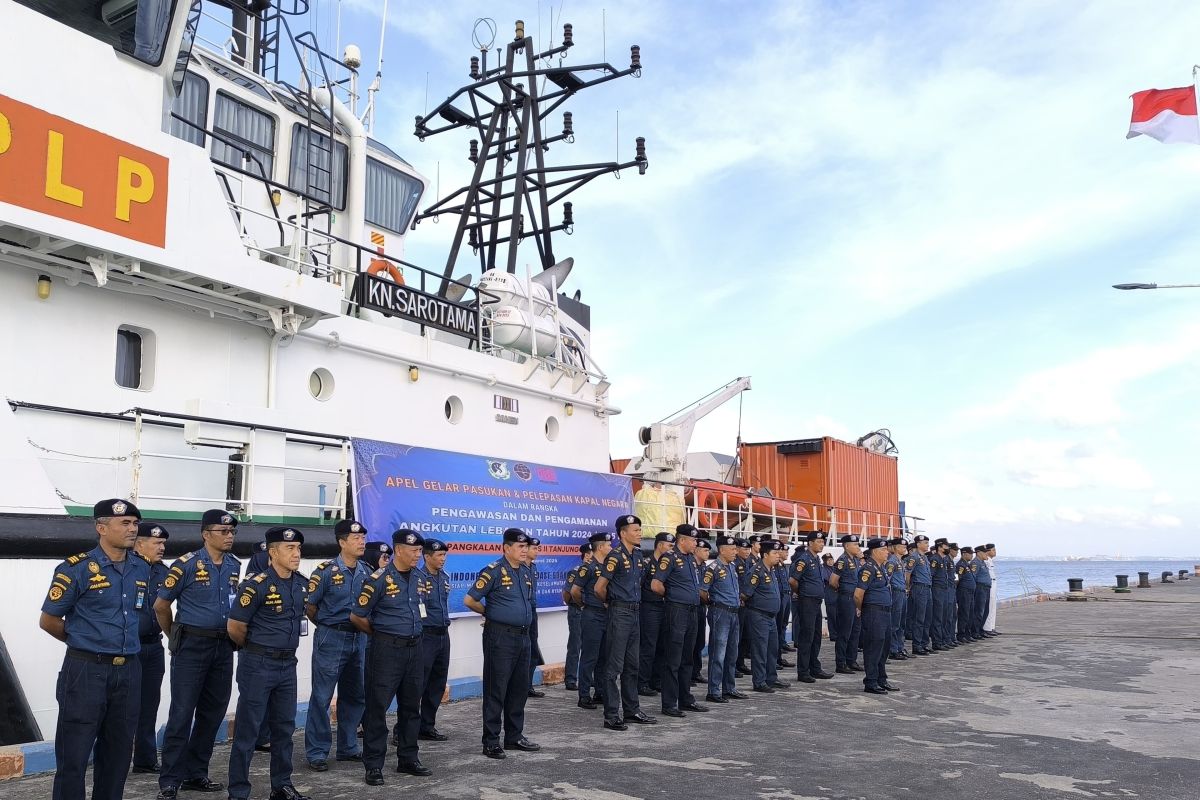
<point x="666" y="442"/>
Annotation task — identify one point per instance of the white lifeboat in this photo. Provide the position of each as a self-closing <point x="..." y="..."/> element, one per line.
<point x="513" y="327"/>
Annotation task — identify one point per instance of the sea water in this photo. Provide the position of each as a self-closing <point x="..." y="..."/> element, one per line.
<point x="1017" y="577"/>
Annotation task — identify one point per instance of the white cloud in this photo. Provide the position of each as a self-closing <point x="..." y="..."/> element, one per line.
<point x="1065" y="464"/>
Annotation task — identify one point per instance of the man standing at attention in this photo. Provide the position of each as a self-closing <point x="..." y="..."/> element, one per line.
<point x="845" y="581"/>
<point x="535" y="649"/>
<point x="676" y="579"/>
<point x="150" y="544"/>
<point x="873" y="603"/>
<point x="721" y="589"/>
<point x="574" y="620"/>
<point x="435" y="647"/>
<point x="805" y="579"/>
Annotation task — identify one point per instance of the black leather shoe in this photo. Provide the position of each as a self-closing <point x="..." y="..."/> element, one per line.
<point x="741" y="670"/>
<point x="414" y="768"/>
<point x="201" y="785"/>
<point x="433" y="735"/>
<point x="319" y="766"/>
<point x="168" y="793"/>
<point x="764" y="689"/>
<point x="495" y="751"/>
<point x="694" y="707"/>
<point x="712" y="698"/>
<point x="673" y="712"/>
<point x="891" y="687"/>
<point x="822" y="676"/>
<point x="587" y="703"/>
<point x="785" y="664"/>
<point x="737" y="695"/>
<point x="844" y="671"/>
<point x="641" y="718"/>
<point x="615" y="725"/>
<point x="787" y="648"/>
<point x="536" y="693"/>
<point x="854" y="667"/>
<point x="145" y="769"/>
<point x="780" y="685"/>
<point x="374" y="777"/>
<point x="262" y="748"/>
<point x="523" y="744"/>
<point x="287" y="793"/>
<point x="351" y="757"/>
<point x="806" y="679"/>
<point x="571" y="687"/>
<point x="646" y="691"/>
<point x="874" y="690"/>
<point x="937" y="648"/>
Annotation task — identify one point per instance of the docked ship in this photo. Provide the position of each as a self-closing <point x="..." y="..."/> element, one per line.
<point x="206" y="297"/>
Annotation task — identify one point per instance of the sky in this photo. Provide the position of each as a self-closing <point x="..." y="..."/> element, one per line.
<point x="888" y="214"/>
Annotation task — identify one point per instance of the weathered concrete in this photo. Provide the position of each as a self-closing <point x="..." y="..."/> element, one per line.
<point x="1077" y="699"/>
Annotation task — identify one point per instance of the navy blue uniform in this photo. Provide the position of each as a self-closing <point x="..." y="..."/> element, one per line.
<point x="784" y="615"/>
<point x="593" y="647"/>
<point x="898" y="579"/>
<point x="652" y="645"/>
<point x="392" y="601"/>
<point x="724" y="602"/>
<point x="762" y="604"/>
<point x="202" y="666"/>
<point x="677" y="571"/>
<point x="876" y="622"/>
<point x="338" y="655"/>
<point x="941" y="570"/>
<point x="273" y="609"/>
<point x="574" y="633"/>
<point x="97" y="692"/>
<point x="849" y="624"/>
<point x="623" y="568"/>
<point x="435" y="649"/>
<point x="966" y="571"/>
<point x="983" y="595"/>
<point x="810" y="590"/>
<point x="535" y="649"/>
<point x="507" y="596"/>
<point x="742" y="566"/>
<point x="145" y="745"/>
<point x="920" y="608"/>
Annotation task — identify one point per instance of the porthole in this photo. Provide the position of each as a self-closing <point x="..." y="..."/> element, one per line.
<point x="552" y="428"/>
<point x="453" y="410"/>
<point x="320" y="384"/>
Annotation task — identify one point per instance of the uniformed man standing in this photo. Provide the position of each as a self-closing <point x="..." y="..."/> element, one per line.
<point x="966" y="570"/>
<point x="593" y="647"/>
<point x="898" y="579"/>
<point x="845" y="581"/>
<point x="952" y="594"/>
<point x="872" y="603"/>
<point x="920" y="609"/>
<point x="389" y="609"/>
<point x="435" y="648"/>
<point x="339" y="649"/>
<point x="676" y="579"/>
<point x="989" y="625"/>
<point x="830" y="596"/>
<point x="784" y="615"/>
<point x="722" y="590"/>
<point x="983" y="591"/>
<point x="93" y="606"/>
<point x="806" y="581"/>
<point x="619" y="585"/>
<point x="941" y="582"/>
<point x="205" y="583"/>
<point x="652" y="646"/>
<point x="151" y="542"/>
<point x="535" y="650"/>
<point x="702" y="554"/>
<point x="377" y="555"/>
<point x="574" y="621"/>
<point x="745" y="558"/>
<point x="762" y="604"/>
<point x="503" y="594"/>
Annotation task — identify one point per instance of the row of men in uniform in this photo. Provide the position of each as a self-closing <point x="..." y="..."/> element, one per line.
<point x="382" y="634"/>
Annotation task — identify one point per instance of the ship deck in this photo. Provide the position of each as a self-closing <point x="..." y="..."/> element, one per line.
<point x="1077" y="699"/>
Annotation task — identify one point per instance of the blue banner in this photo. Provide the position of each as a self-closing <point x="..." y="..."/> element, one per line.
<point x="468" y="501"/>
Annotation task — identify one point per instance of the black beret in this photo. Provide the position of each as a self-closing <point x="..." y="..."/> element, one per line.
<point x="920" y="537"/>
<point x="217" y="516"/>
<point x="516" y="536"/>
<point x="940" y="541"/>
<point x="436" y="546"/>
<point x="626" y="519"/>
<point x="724" y="540"/>
<point x="282" y="533"/>
<point x="849" y="538"/>
<point x="769" y="545"/>
<point x="596" y="538"/>
<point x="953" y="545"/>
<point x="377" y="549"/>
<point x="968" y="549"/>
<point x="115" y="508"/>
<point x="685" y="530"/>
<point x="827" y="557"/>
<point x="534" y="541"/>
<point x="664" y="536"/>
<point x="989" y="546"/>
<point x="152" y="530"/>
<point x="704" y="543"/>
<point x="407" y="536"/>
<point x="586" y="547"/>
<point x="875" y="544"/>
<point x="814" y="536"/>
<point x="752" y="539"/>
<point x="896" y="541"/>
<point x="345" y="527"/>
<point x="740" y="542"/>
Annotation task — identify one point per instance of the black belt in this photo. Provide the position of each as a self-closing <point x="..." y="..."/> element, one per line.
<point x="624" y="604"/>
<point x="436" y="630"/>
<point x="875" y="605"/>
<point x="684" y="605"/>
<point x="733" y="609"/>
<point x="761" y="611"/>
<point x="207" y="633"/>
<point x="98" y="658"/>
<point x="648" y="601"/>
<point x="586" y="607"/>
<point x="391" y="638"/>
<point x="520" y="630"/>
<point x="344" y="627"/>
<point x="150" y="639"/>
<point x="259" y="650"/>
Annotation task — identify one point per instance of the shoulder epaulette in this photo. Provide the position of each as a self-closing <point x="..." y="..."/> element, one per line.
<point x="186" y="557"/>
<point x="378" y="573"/>
<point x="75" y="559"/>
<point x="324" y="564"/>
<point x="260" y="577"/>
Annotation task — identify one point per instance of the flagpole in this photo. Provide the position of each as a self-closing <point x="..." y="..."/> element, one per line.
<point x="1196" y="89"/>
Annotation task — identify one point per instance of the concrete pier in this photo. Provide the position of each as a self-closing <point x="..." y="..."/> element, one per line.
<point x="1082" y="699"/>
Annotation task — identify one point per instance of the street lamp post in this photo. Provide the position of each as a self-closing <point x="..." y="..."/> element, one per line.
<point x="1130" y="286"/>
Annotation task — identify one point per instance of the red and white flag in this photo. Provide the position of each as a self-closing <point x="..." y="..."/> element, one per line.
<point x="1168" y="115"/>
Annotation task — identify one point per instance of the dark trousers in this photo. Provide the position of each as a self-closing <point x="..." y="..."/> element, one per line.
<point x="535" y="649"/>
<point x="795" y="610"/>
<point x="831" y="613"/>
<point x="652" y="644"/>
<point x="983" y="600"/>
<point x="849" y="627"/>
<point x="593" y="650"/>
<point x="395" y="670"/>
<point x="574" y="634"/>
<point x="677" y="671"/>
<point x="808" y="636"/>
<point x="966" y="611"/>
<point x="701" y="639"/>
<point x="744" y="627"/>
<point x="505" y="683"/>
<point x="266" y="690"/>
<point x="435" y="657"/>
<point x="764" y="647"/>
<point x="97" y="717"/>
<point x="783" y="617"/>
<point x="723" y="635"/>
<point x="920" y="612"/>
<point x="201" y="682"/>
<point x="337" y="663"/>
<point x="145" y="745"/>
<point x="899" y="609"/>
<point x="876" y="633"/>
<point x="624" y="639"/>
<point x="941" y="616"/>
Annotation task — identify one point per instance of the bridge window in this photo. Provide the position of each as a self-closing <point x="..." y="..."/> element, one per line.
<point x="311" y="171"/>
<point x="135" y="358"/>
<point x="136" y="27"/>
<point x="243" y="128"/>
<point x="391" y="196"/>
<point x="192" y="105"/>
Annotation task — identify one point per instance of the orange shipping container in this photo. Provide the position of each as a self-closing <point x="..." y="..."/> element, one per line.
<point x="856" y="487"/>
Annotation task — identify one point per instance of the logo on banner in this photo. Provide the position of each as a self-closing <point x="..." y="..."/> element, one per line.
<point x="498" y="469"/>
<point x="547" y="475"/>
<point x="523" y="471"/>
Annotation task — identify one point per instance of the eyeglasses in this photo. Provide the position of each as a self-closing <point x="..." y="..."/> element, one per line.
<point x="222" y="531"/>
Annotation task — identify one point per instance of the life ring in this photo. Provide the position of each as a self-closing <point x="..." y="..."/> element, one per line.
<point x="380" y="266"/>
<point x="712" y="512"/>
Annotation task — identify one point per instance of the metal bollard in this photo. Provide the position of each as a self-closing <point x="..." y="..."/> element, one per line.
<point x="1122" y="586"/>
<point x="1143" y="580"/>
<point x="1075" y="589"/>
<point x="1183" y="575"/>
<point x="1166" y="577"/>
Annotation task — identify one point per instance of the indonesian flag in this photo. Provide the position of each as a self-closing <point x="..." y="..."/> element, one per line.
<point x="1168" y="115"/>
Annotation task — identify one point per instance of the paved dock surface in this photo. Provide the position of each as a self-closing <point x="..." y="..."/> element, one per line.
<point x="1076" y="699"/>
